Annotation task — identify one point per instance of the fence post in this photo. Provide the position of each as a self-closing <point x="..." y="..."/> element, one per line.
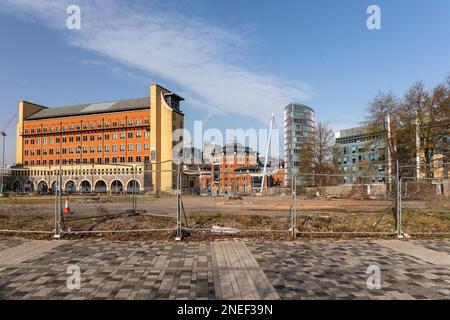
<point x="58" y="202"/>
<point x="178" y="236"/>
<point x="56" y="207"/>
<point x="294" y="206"/>
<point x="400" y="216"/>
<point x="398" y="201"/>
<point x="134" y="191"/>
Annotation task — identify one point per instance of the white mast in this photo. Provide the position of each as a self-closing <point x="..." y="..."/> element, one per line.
<point x="272" y="119"/>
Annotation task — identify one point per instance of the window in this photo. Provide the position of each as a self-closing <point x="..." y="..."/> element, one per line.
<point x="146" y="146"/>
<point x="138" y="147"/>
<point x="114" y="148"/>
<point x="114" y="136"/>
<point x="122" y="147"/>
<point x="138" y="134"/>
<point x="130" y="135"/>
<point x="130" y="147"/>
<point x="99" y="148"/>
<point x="122" y="135"/>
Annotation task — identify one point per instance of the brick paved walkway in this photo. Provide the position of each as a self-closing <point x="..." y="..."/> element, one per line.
<point x="232" y="269"/>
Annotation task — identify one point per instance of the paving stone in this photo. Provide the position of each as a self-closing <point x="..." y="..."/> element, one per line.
<point x="226" y="269"/>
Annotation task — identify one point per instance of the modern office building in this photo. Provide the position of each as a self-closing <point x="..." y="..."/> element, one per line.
<point x="361" y="153"/>
<point x="99" y="145"/>
<point x="299" y="132"/>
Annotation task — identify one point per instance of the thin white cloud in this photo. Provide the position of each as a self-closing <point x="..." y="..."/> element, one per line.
<point x="202" y="59"/>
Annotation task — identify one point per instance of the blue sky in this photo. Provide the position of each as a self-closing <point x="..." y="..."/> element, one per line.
<point x="238" y="60"/>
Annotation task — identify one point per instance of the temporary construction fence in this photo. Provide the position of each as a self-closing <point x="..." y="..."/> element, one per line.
<point x="235" y="201"/>
<point x="21" y="214"/>
<point x="425" y="205"/>
<point x="231" y="202"/>
<point x="109" y="199"/>
<point x="344" y="204"/>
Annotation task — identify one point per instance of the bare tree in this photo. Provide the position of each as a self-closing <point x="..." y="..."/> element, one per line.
<point x="323" y="149"/>
<point x="324" y="142"/>
<point x="414" y="128"/>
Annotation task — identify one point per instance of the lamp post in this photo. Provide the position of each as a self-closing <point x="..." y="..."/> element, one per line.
<point x="3" y="163"/>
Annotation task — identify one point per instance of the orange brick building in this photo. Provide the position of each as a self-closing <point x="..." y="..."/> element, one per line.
<point x="237" y="169"/>
<point x="99" y="138"/>
<point x="63" y="136"/>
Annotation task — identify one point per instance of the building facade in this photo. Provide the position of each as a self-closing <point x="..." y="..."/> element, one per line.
<point x="100" y="143"/>
<point x="237" y="169"/>
<point x="359" y="152"/>
<point x="299" y="133"/>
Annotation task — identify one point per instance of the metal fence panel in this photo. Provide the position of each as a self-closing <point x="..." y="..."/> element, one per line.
<point x="425" y="205"/>
<point x="26" y="211"/>
<point x="344" y="203"/>
<point x="230" y="202"/>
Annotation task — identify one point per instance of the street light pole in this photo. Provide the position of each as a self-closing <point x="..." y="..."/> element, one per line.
<point x="3" y="163"/>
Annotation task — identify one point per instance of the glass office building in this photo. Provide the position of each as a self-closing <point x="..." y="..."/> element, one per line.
<point x="299" y="131"/>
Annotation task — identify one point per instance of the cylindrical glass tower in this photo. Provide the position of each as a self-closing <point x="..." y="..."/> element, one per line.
<point x="299" y="132"/>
